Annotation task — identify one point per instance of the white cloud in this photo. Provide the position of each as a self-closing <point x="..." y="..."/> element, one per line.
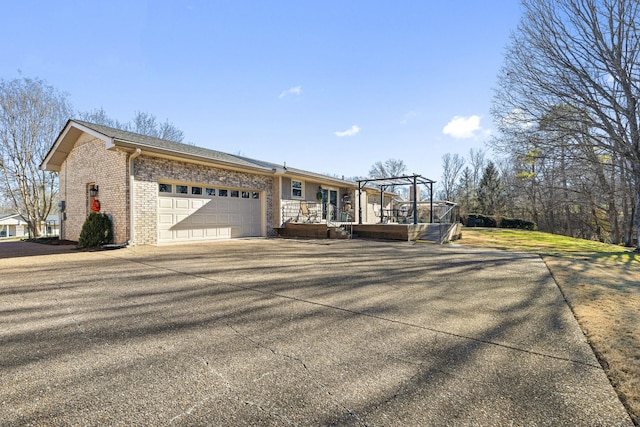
<point x="410" y="115"/>
<point x="349" y="132"/>
<point x="296" y="90"/>
<point x="463" y="127"/>
<point x="518" y="119"/>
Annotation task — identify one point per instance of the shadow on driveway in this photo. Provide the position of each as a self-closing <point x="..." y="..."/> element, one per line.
<point x="283" y="332"/>
<point x="15" y="249"/>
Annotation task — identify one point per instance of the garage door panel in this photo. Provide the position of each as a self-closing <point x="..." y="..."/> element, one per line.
<point x="165" y="234"/>
<point x="197" y="219"/>
<point x="181" y="233"/>
<point x="181" y="203"/>
<point x="180" y="218"/>
<point x="198" y="203"/>
<point x="165" y="219"/>
<point x="165" y="203"/>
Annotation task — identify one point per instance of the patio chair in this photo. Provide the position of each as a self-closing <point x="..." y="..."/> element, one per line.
<point x="310" y="216"/>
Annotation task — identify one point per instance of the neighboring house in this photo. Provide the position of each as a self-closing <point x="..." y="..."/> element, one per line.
<point x="159" y="191"/>
<point x="13" y="225"/>
<point x="51" y="227"/>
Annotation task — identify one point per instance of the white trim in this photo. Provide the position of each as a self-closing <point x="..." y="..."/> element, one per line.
<point x="301" y="196"/>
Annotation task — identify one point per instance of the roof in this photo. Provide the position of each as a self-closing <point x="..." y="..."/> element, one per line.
<point x="114" y="137"/>
<point x="50" y="217"/>
<point x="11" y="216"/>
<point x="117" y="137"/>
<point x="286" y="170"/>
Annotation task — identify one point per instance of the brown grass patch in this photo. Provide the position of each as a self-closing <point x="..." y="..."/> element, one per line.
<point x="602" y="288"/>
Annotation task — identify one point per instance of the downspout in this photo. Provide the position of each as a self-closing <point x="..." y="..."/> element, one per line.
<point x="431" y="202"/>
<point x="131" y="197"/>
<point x="277" y="206"/>
<point x="359" y="202"/>
<point x="415" y="200"/>
<point x="382" y="188"/>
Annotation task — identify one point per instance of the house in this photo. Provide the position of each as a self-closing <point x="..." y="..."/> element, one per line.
<point x="157" y="191"/>
<point x="13" y="225"/>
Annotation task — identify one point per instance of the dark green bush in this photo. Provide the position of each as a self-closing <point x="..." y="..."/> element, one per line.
<point x="96" y="231"/>
<point x="521" y="224"/>
<point x="479" y="220"/>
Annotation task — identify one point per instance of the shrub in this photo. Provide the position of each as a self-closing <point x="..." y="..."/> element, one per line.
<point x="521" y="224"/>
<point x="479" y="220"/>
<point x="96" y="231"/>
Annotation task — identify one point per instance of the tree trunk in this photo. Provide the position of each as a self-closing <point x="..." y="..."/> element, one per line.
<point x="636" y="216"/>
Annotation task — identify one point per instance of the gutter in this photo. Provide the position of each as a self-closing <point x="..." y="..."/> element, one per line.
<point x="131" y="196"/>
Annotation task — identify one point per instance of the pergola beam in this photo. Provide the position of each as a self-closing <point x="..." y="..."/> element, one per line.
<point x="412" y="180"/>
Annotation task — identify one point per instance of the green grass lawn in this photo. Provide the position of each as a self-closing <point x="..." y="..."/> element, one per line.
<point x="550" y="245"/>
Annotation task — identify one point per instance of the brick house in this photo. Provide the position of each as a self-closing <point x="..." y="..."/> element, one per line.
<point x="157" y="191"/>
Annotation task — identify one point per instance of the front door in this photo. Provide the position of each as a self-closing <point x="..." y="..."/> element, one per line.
<point x="329" y="204"/>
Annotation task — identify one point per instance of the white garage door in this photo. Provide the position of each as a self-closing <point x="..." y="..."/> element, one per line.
<point x="190" y="213"/>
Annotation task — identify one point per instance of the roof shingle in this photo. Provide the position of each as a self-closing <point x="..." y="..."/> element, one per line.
<point x="172" y="146"/>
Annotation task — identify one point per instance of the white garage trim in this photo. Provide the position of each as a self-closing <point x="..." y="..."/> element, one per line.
<point x="194" y="212"/>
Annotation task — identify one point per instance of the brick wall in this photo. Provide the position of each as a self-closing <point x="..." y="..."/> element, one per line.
<point x="89" y="162"/>
<point x="149" y="170"/>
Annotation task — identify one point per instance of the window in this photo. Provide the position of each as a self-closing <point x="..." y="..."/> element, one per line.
<point x="210" y="191"/>
<point x="196" y="190"/>
<point x="164" y="188"/>
<point x="235" y="193"/>
<point x="245" y="194"/>
<point x="255" y="195"/>
<point x="182" y="189"/>
<point x="222" y="193"/>
<point x="296" y="189"/>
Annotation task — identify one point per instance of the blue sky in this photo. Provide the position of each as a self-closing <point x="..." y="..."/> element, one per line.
<point x="330" y="86"/>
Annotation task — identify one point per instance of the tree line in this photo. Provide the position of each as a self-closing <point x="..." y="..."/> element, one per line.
<point x="568" y="114"/>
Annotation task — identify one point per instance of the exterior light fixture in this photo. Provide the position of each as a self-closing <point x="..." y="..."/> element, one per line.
<point x="93" y="191"/>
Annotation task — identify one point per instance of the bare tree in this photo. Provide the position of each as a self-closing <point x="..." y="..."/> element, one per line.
<point x="142" y="123"/>
<point x="390" y="168"/>
<point x="584" y="54"/>
<point x="100" y="117"/>
<point x="451" y="167"/>
<point x="31" y="116"/>
<point x="478" y="163"/>
<point x="466" y="192"/>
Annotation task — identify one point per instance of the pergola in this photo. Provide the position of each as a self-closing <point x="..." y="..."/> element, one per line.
<point x="385" y="183"/>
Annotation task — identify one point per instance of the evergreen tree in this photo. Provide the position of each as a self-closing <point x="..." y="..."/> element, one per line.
<point x="491" y="195"/>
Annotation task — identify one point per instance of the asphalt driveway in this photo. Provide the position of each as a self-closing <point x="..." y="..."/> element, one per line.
<point x="284" y="332"/>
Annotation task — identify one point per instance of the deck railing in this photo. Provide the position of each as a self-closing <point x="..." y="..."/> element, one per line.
<point x="302" y="211"/>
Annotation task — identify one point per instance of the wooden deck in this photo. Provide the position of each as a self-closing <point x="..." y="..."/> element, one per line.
<point x="404" y="232"/>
